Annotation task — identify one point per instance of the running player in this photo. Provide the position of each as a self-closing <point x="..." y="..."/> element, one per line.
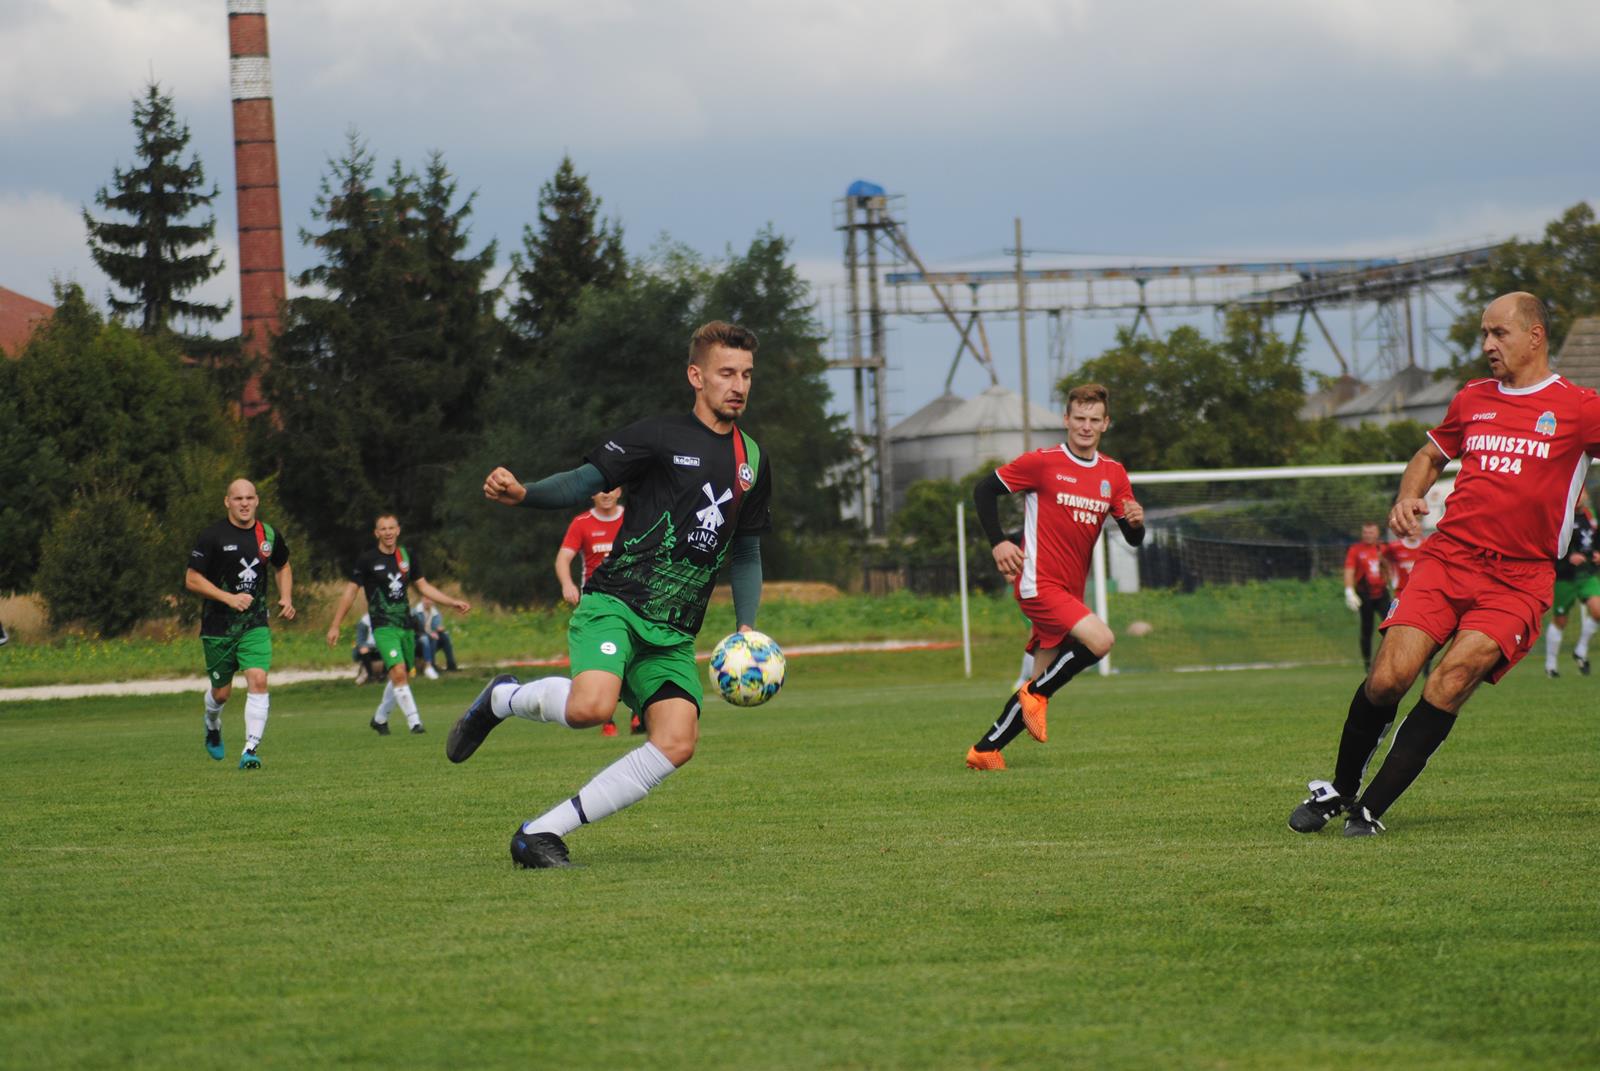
<point x="1524" y="438"/>
<point x="228" y="569"/>
<point x="1577" y="581"/>
<point x="1069" y="489"/>
<point x="698" y="492"/>
<point x="1366" y="585"/>
<point x="385" y="572"/>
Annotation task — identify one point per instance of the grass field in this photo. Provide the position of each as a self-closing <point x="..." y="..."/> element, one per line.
<point x="824" y="886"/>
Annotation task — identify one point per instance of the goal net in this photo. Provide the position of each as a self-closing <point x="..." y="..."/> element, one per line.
<point x="1243" y="568"/>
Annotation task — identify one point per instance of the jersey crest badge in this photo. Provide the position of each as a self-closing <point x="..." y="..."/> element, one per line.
<point x="1105" y="488"/>
<point x="266" y="549"/>
<point x="747" y="476"/>
<point x="1546" y="424"/>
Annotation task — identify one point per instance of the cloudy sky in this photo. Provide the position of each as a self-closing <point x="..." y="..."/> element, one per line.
<point x="1131" y="129"/>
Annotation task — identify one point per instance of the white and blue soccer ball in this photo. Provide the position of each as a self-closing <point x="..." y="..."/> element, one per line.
<point x="747" y="668"/>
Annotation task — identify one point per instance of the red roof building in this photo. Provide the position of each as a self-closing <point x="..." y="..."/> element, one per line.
<point x="19" y="315"/>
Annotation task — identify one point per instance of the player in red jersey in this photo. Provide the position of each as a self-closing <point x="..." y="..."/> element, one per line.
<point x="1402" y="556"/>
<point x="1366" y="585"/>
<point x="591" y="534"/>
<point x="1068" y="491"/>
<point x="1525" y="438"/>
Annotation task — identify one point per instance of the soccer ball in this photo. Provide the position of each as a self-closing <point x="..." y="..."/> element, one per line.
<point x="747" y="668"/>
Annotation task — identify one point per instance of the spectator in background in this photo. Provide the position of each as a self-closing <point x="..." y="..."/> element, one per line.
<point x="432" y="637"/>
<point x="1366" y="585"/>
<point x="369" y="663"/>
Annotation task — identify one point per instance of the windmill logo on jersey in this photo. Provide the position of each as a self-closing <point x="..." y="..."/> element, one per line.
<point x="710" y="518"/>
<point x="247" y="573"/>
<point x="1546" y="424"/>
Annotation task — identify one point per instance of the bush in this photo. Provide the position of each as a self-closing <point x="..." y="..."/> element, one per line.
<point x="101" y="564"/>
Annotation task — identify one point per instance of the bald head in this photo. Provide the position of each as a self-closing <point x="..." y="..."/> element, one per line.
<point x="1528" y="310"/>
<point x="241" y="502"/>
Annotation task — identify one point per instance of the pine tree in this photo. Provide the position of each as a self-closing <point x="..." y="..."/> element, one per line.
<point x="568" y="253"/>
<point x="376" y="379"/>
<point x="154" y="257"/>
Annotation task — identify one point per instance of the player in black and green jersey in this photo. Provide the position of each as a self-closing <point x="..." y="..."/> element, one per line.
<point x="385" y="572"/>
<point x="1577" y="581"/>
<point x="698" y="496"/>
<point x="228" y="568"/>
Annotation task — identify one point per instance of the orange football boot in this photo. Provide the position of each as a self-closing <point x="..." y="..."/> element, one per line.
<point x="985" y="760"/>
<point x="1034" y="709"/>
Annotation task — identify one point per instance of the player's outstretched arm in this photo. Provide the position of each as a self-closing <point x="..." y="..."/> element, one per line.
<point x="744" y="576"/>
<point x="424" y="585"/>
<point x="560" y="491"/>
<point x="1410" y="505"/>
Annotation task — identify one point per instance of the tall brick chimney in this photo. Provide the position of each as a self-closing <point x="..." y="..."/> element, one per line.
<point x="255" y="161"/>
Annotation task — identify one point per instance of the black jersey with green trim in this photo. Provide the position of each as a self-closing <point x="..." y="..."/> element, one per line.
<point x="385" y="578"/>
<point x="235" y="559"/>
<point x="689" y="491"/>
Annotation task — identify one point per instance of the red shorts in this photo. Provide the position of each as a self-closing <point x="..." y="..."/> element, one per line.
<point x="1053" y="613"/>
<point x="1457" y="587"/>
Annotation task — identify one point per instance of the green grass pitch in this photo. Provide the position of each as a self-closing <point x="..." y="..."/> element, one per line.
<point x="824" y="886"/>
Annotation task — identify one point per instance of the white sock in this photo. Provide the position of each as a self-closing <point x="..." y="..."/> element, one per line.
<point x="255" y="719"/>
<point x="385" y="705"/>
<point x="542" y="700"/>
<point x="1588" y="630"/>
<point x="1026" y="671"/>
<point x="213" y="711"/>
<point x="1552" y="645"/>
<point x="408" y="704"/>
<point x="622" y="784"/>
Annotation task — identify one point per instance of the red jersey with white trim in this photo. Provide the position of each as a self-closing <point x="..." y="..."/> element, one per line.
<point x="1366" y="561"/>
<point x="1065" y="503"/>
<point x="592" y="537"/>
<point x="1524" y="454"/>
<point x="1402" y="559"/>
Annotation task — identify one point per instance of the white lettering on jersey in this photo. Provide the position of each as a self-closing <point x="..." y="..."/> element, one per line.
<point x="686" y="461"/>
<point x="710" y="518"/>
<point x="1508" y="444"/>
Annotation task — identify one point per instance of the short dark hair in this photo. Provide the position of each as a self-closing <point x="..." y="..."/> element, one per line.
<point x="720" y="333"/>
<point x="389" y="513"/>
<point x="1088" y="394"/>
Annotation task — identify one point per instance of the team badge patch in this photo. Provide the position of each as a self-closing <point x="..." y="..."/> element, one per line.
<point x="1105" y="488"/>
<point x="1546" y="424"/>
<point x="266" y="549"/>
<point x="747" y="476"/>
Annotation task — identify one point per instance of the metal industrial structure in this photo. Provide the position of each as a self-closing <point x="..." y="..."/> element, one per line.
<point x="1388" y="299"/>
<point x="255" y="160"/>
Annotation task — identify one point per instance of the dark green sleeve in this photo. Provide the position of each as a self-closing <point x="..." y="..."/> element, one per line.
<point x="565" y="489"/>
<point x="744" y="574"/>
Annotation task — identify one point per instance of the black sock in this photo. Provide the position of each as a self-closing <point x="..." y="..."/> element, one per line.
<point x="1070" y="661"/>
<point x="1364" y="727"/>
<point x="1418" y="737"/>
<point x="1005" y="728"/>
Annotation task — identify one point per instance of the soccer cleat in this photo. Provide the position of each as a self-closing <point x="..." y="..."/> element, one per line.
<point x="379" y="727"/>
<point x="1360" y="823"/>
<point x="608" y="729"/>
<point x="1583" y="663"/>
<point x="538" y="851"/>
<point x="214" y="743"/>
<point x="431" y="673"/>
<point x="985" y="760"/>
<point x="475" y="724"/>
<point x="1317" y="809"/>
<point x="1034" y="709"/>
<point x="417" y="729"/>
<point x="1551" y="672"/>
<point x="249" y="761"/>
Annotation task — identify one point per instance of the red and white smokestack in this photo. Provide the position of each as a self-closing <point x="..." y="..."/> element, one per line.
<point x="255" y="160"/>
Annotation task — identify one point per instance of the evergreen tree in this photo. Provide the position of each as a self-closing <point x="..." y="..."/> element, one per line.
<point x="375" y="381"/>
<point x="571" y="250"/>
<point x="154" y="257"/>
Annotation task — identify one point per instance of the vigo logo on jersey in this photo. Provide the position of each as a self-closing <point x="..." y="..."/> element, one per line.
<point x="1084" y="510"/>
<point x="710" y="517"/>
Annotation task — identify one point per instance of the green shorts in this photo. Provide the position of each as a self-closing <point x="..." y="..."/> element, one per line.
<point x="605" y="634"/>
<point x="395" y="645"/>
<point x="227" y="655"/>
<point x="1580" y="589"/>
